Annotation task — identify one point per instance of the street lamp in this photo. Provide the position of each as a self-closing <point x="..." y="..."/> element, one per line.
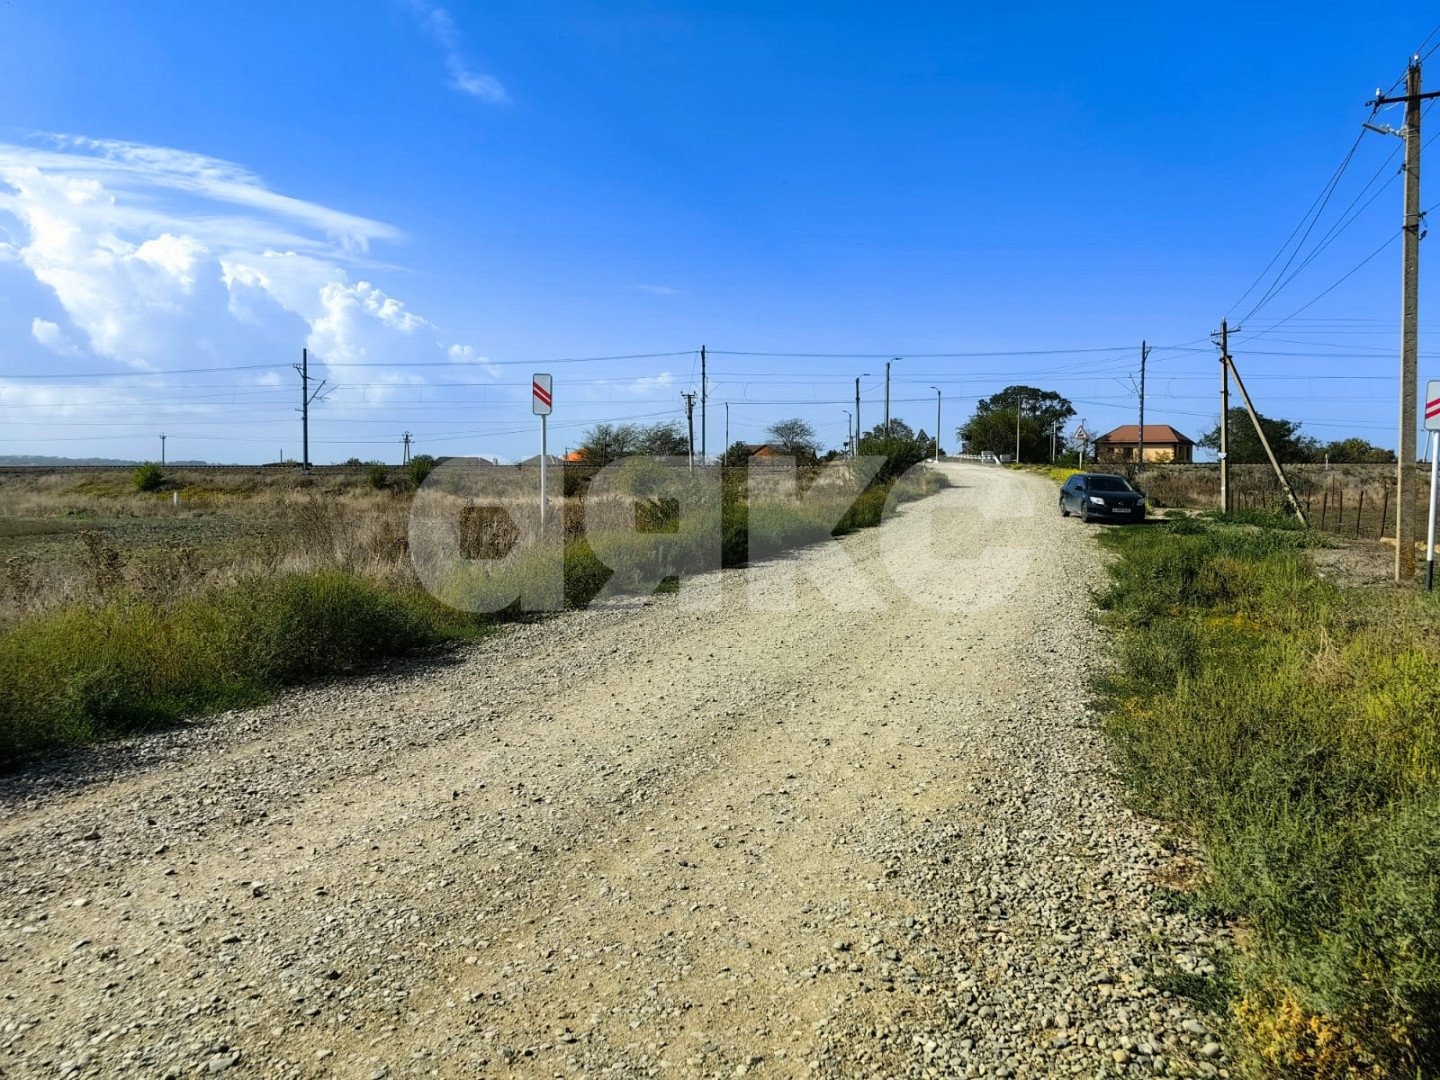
<point x="937" y="423"/>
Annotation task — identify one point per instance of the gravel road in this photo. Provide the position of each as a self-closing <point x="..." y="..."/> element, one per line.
<point x="845" y="830"/>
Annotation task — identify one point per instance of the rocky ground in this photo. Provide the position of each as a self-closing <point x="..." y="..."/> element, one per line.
<point x="858" y="826"/>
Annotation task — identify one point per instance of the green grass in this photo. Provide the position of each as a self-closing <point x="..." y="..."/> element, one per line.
<point x="1295" y="728"/>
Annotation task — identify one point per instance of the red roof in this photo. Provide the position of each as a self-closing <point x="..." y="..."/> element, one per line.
<point x="1154" y="435"/>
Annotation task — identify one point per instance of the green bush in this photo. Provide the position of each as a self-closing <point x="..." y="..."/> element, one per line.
<point x="148" y="477"/>
<point x="82" y="674"/>
<point x="1295" y="728"/>
<point x="377" y="475"/>
<point x="420" y="467"/>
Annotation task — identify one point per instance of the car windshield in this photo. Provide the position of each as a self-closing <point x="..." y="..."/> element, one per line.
<point x="1107" y="483"/>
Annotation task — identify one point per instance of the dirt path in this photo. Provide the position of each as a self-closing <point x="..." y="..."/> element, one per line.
<point x="635" y="842"/>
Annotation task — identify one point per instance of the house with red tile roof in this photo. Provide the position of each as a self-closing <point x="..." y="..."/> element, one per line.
<point x="1162" y="444"/>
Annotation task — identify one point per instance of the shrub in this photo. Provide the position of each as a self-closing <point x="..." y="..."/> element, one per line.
<point x="148" y="477"/>
<point x="421" y="466"/>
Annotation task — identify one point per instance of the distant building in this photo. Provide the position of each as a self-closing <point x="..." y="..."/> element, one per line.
<point x="1163" y="444"/>
<point x="761" y="451"/>
<point x="575" y="455"/>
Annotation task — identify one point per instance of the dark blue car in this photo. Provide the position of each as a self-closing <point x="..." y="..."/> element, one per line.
<point x="1101" y="497"/>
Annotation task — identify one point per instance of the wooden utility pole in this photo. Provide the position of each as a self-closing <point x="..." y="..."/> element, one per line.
<point x="1144" y="355"/>
<point x="690" y="420"/>
<point x="1409" y="319"/>
<point x="1260" y="432"/>
<point x="1224" y="416"/>
<point x="704" y="393"/>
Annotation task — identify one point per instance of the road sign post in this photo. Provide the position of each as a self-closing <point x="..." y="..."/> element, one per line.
<point x="541" y="403"/>
<point x="1432" y="425"/>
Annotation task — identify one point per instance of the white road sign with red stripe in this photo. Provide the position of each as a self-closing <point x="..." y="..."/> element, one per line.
<point x="541" y="396"/>
<point x="1432" y="405"/>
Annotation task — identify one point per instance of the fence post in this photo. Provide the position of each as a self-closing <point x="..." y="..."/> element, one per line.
<point x="1324" y="508"/>
<point x="1384" y="508"/>
<point x="1359" y="513"/>
<point x="1340" y="511"/>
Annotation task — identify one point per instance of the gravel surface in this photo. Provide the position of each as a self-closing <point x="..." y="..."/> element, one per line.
<point x="833" y="830"/>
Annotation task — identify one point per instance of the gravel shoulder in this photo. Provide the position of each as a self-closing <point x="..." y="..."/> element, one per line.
<point x="827" y="829"/>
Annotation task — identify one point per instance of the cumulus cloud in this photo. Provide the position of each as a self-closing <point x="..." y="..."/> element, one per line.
<point x="52" y="337"/>
<point x="440" y="25"/>
<point x="157" y="255"/>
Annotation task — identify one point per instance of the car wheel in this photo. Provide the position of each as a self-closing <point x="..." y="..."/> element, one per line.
<point x="1085" y="514"/>
<point x="1063" y="511"/>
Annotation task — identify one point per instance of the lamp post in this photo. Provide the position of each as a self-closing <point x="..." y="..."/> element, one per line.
<point x="937" y="423"/>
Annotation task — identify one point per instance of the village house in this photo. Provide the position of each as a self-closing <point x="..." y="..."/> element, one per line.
<point x="1163" y="444"/>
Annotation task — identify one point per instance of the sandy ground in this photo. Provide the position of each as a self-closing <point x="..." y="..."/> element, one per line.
<point x="848" y="828"/>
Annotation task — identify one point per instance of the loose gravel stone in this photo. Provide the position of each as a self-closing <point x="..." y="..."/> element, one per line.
<point x="829" y="827"/>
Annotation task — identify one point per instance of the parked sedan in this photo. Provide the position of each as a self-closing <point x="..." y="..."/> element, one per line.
<point x="1101" y="497"/>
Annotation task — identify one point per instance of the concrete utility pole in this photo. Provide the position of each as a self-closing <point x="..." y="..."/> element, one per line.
<point x="937" y="423"/>
<point x="727" y="428"/>
<point x="887" y="396"/>
<point x="1264" y="442"/>
<point x="1019" y="408"/>
<point x="862" y="375"/>
<point x="162" y="448"/>
<point x="1225" y="416"/>
<point x="1409" y="318"/>
<point x="1144" y="355"/>
<point x="849" y="433"/>
<point x="690" y="420"/>
<point x="704" y="393"/>
<point x="405" y="449"/>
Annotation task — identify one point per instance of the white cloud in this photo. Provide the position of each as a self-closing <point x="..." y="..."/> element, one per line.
<point x="158" y="256"/>
<point x="52" y="337"/>
<point x="466" y="354"/>
<point x="440" y="25"/>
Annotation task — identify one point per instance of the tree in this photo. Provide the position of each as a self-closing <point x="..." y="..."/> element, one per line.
<point x="992" y="427"/>
<point x="1356" y="451"/>
<point x="737" y="455"/>
<point x="665" y="439"/>
<point x="603" y="443"/>
<point x="1245" y="447"/>
<point x="794" y="438"/>
<point x="902" y="449"/>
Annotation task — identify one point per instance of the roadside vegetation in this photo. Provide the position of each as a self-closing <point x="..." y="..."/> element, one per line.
<point x="1292" y="727"/>
<point x="118" y="613"/>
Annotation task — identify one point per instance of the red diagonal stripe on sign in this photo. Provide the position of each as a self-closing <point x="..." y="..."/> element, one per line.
<point x="541" y="393"/>
<point x="1432" y="407"/>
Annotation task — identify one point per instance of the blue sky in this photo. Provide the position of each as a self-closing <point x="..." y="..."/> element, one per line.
<point x="439" y="200"/>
